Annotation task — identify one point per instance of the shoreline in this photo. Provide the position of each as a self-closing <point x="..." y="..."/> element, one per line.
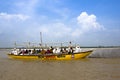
<point x="65" y="46"/>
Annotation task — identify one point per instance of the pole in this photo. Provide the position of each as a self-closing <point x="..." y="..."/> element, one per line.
<point x="15" y="45"/>
<point x="41" y="38"/>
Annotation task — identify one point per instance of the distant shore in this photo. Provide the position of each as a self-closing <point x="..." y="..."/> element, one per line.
<point x="81" y="47"/>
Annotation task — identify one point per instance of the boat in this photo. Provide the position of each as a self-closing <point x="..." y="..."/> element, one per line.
<point x="62" y="56"/>
<point x="65" y="53"/>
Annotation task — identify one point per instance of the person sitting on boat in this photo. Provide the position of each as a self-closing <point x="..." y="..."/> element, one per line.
<point x="23" y="52"/>
<point x="26" y="51"/>
<point x="43" y="51"/>
<point x="48" y="51"/>
<point x="38" y="51"/>
<point x="64" y="50"/>
<point x="29" y="51"/>
<point x="14" y="51"/>
<point x="77" y="49"/>
<point x="54" y="50"/>
<point x="57" y="51"/>
<point x="34" y="51"/>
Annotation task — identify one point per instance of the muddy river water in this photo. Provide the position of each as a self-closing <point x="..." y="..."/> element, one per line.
<point x="102" y="64"/>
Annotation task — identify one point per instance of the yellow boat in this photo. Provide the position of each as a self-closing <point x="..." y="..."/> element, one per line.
<point x="53" y="56"/>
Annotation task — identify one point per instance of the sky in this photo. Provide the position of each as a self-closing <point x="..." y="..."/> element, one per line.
<point x="85" y="22"/>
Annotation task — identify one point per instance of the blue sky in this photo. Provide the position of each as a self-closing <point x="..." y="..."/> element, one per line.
<point x="88" y="23"/>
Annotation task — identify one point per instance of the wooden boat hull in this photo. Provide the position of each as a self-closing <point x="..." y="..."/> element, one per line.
<point x="52" y="56"/>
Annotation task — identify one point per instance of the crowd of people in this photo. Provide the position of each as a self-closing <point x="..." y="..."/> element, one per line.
<point x="51" y="50"/>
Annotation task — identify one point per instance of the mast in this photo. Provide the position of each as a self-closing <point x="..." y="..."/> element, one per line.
<point x="15" y="44"/>
<point x="40" y="38"/>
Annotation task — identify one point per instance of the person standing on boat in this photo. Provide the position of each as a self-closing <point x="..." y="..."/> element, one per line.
<point x="70" y="50"/>
<point x="51" y="49"/>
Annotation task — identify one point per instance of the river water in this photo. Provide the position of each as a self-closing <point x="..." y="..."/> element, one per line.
<point x="102" y="64"/>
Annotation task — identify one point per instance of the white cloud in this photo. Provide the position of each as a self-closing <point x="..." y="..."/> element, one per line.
<point x="7" y="16"/>
<point x="88" y="22"/>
